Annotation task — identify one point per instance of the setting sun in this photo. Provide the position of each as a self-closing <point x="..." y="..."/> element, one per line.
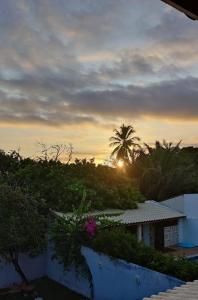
<point x="120" y="164"/>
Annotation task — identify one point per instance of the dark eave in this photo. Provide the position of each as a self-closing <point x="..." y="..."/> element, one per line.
<point x="188" y="7"/>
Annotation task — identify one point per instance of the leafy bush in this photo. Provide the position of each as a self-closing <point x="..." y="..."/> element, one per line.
<point x="23" y="225"/>
<point x="69" y="233"/>
<point x="67" y="236"/>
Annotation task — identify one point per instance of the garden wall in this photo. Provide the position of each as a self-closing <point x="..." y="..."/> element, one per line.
<point x="70" y="279"/>
<point x="32" y="267"/>
<point x="119" y="280"/>
<point x="111" y="278"/>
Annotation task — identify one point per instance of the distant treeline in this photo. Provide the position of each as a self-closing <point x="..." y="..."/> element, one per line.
<point x="61" y="185"/>
<point x="162" y="171"/>
<point x="158" y="173"/>
<point x="165" y="171"/>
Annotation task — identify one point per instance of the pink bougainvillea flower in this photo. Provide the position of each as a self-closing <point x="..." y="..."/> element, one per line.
<point x="90" y="226"/>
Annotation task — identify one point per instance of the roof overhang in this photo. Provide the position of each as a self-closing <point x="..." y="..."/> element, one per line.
<point x="188" y="7"/>
<point x="152" y="221"/>
<point x="149" y="211"/>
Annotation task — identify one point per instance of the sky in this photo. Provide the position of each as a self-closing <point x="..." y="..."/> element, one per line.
<point x="73" y="70"/>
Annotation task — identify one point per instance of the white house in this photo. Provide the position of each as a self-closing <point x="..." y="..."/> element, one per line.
<point x="161" y="225"/>
<point x="187" y="227"/>
<point x="153" y="223"/>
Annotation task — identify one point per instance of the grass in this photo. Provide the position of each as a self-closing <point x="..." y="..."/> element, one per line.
<point x="49" y="290"/>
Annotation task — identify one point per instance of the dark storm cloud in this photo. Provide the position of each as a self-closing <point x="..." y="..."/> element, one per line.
<point x="150" y="72"/>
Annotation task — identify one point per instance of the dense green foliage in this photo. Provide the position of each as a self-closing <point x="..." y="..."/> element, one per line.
<point x="69" y="233"/>
<point x="22" y="225"/>
<point x="161" y="171"/>
<point x="62" y="185"/>
<point x="165" y="171"/>
<point x="158" y="172"/>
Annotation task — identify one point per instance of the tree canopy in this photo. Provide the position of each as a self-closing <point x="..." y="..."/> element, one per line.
<point x="163" y="171"/>
<point x="62" y="185"/>
<point x="22" y="225"/>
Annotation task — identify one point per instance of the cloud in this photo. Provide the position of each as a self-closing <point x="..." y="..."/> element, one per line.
<point x="77" y="62"/>
<point x="172" y="26"/>
<point x="127" y="64"/>
<point x="168" y="99"/>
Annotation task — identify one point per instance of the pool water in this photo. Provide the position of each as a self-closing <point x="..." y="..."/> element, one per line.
<point x="193" y="258"/>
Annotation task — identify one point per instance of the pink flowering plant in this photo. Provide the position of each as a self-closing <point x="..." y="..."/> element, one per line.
<point x="75" y="229"/>
<point x="90" y="227"/>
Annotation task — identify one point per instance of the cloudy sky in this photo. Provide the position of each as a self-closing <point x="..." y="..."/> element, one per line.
<point x="72" y="70"/>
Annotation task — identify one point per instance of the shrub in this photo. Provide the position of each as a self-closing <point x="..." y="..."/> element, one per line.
<point x="22" y="225"/>
<point x="67" y="236"/>
<point x="69" y="233"/>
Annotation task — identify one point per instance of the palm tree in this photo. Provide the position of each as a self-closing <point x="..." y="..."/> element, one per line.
<point x="162" y="172"/>
<point x="125" y="143"/>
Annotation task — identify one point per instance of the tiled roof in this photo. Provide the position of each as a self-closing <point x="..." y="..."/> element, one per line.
<point x="147" y="212"/>
<point x="188" y="291"/>
<point x="107" y="212"/>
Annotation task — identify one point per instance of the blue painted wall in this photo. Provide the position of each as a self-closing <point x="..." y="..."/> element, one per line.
<point x="112" y="278"/>
<point x="32" y="267"/>
<point x="119" y="280"/>
<point x="69" y="278"/>
<point x="41" y="266"/>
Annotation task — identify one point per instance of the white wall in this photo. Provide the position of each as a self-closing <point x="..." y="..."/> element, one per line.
<point x="189" y="231"/>
<point x="176" y="203"/>
<point x="191" y="206"/>
<point x="188" y="227"/>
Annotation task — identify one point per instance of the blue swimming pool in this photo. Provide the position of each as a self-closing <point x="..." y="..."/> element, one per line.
<point x="187" y="245"/>
<point x="193" y="258"/>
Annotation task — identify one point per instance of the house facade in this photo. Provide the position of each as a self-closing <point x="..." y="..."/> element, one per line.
<point x="161" y="225"/>
<point x="153" y="223"/>
<point x="186" y="204"/>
